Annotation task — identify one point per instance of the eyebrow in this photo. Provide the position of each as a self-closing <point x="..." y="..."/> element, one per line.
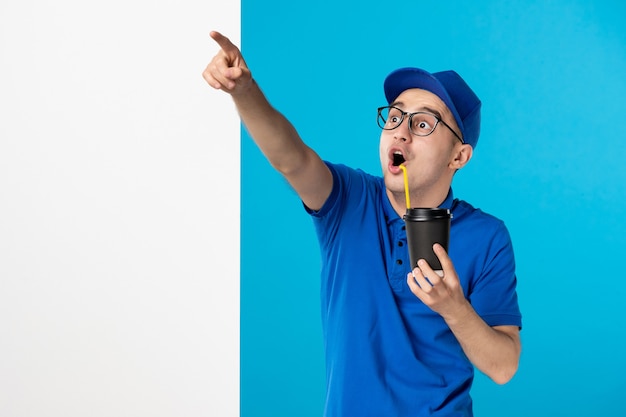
<point x="423" y="108"/>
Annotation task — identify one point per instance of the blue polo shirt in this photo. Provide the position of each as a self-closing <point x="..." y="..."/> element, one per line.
<point x="387" y="353"/>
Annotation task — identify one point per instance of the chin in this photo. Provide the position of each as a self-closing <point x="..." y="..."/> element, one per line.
<point x="393" y="182"/>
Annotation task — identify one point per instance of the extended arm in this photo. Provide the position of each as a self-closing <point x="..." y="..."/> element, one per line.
<point x="272" y="132"/>
<point x="493" y="350"/>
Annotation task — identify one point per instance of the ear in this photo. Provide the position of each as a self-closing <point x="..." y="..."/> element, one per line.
<point x="461" y="155"/>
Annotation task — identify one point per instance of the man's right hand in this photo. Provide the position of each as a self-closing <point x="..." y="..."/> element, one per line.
<point x="227" y="70"/>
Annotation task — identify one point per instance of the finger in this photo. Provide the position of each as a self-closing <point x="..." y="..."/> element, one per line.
<point x="215" y="78"/>
<point x="224" y="43"/>
<point x="444" y="259"/>
<point x="414" y="286"/>
<point x="426" y="270"/>
<point x="420" y="279"/>
<point x="220" y="76"/>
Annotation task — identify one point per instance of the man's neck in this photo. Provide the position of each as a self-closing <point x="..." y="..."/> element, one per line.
<point x="428" y="199"/>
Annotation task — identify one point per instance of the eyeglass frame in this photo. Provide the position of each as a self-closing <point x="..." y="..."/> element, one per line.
<point x="404" y="113"/>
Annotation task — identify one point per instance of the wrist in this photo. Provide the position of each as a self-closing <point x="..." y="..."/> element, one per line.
<point x="460" y="314"/>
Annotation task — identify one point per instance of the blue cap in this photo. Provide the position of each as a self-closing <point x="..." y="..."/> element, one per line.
<point x="449" y="87"/>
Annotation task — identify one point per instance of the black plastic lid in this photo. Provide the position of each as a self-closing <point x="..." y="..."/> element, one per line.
<point x="425" y="213"/>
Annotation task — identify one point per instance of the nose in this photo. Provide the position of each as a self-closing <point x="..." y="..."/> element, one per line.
<point x="402" y="132"/>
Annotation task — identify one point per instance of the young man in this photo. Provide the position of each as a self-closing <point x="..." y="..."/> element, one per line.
<point x="398" y="343"/>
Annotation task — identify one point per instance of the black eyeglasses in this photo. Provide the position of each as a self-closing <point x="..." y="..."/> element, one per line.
<point x="420" y="123"/>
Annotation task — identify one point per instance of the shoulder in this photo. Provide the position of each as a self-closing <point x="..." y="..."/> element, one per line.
<point x="346" y="171"/>
<point x="347" y="179"/>
<point x="477" y="227"/>
<point x="462" y="211"/>
<point x="352" y="188"/>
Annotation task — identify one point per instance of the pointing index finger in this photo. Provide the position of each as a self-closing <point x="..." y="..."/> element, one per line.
<point x="223" y="42"/>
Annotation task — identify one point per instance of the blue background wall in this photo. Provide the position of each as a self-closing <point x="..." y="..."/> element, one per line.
<point x="549" y="162"/>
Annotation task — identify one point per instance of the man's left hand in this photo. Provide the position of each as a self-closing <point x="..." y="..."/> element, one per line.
<point x="442" y="294"/>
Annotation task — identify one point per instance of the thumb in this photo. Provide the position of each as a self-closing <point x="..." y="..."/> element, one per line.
<point x="444" y="259"/>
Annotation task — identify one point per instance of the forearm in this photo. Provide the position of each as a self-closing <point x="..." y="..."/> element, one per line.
<point x="275" y="136"/>
<point x="495" y="351"/>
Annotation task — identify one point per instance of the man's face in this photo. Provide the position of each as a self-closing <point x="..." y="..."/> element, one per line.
<point x="428" y="159"/>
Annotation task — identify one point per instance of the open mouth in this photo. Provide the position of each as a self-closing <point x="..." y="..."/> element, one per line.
<point x="398" y="158"/>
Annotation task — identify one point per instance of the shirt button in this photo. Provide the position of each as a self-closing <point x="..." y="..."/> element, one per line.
<point x="399" y="261"/>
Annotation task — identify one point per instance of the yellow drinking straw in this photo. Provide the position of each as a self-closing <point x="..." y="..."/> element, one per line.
<point x="406" y="187"/>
